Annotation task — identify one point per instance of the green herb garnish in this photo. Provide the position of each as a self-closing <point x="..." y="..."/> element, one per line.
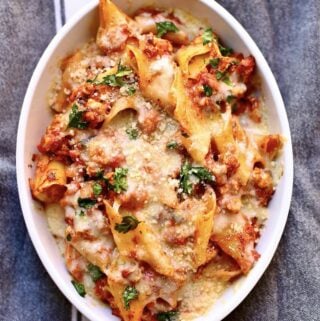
<point x="120" y="180"/>
<point x="202" y="173"/>
<point x="92" y="81"/>
<point x="223" y="76"/>
<point x="207" y="36"/>
<point x="172" y="145"/>
<point x="164" y="27"/>
<point x="79" y="287"/>
<point x="225" y="51"/>
<point x="187" y="170"/>
<point x="94" y="272"/>
<point x="127" y="224"/>
<point x="185" y="183"/>
<point x="230" y="99"/>
<point x="99" y="174"/>
<point x="133" y="133"/>
<point x="214" y="62"/>
<point x="114" y="80"/>
<point x="227" y="80"/>
<point x="130" y="293"/>
<point x="207" y="90"/>
<point x="75" y="118"/>
<point x="97" y="189"/>
<point x="167" y="316"/>
<point x="86" y="202"/>
<point x="123" y="70"/>
<point x="131" y="91"/>
<point x="69" y="237"/>
<point x="82" y="213"/>
<point x="219" y="75"/>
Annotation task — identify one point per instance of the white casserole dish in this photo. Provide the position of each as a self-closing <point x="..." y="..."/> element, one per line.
<point x="35" y="116"/>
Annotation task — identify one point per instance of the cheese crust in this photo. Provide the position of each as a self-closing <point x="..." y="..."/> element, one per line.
<point x="158" y="166"/>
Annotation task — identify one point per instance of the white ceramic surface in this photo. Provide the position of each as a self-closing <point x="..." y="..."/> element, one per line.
<point x="35" y="116"/>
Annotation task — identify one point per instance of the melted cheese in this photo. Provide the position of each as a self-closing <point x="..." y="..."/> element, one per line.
<point x="176" y="233"/>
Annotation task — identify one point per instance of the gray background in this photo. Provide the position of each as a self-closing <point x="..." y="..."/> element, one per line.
<point x="288" y="33"/>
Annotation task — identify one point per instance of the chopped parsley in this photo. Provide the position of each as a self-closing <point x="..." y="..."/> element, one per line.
<point x="230" y="99"/>
<point x="219" y="75"/>
<point x="69" y="237"/>
<point x="79" y="287"/>
<point x="214" y="62"/>
<point x="114" y="80"/>
<point x="120" y="180"/>
<point x="187" y="170"/>
<point x="207" y="90"/>
<point x="172" y="145"/>
<point x="99" y="174"/>
<point x="75" y="118"/>
<point x="133" y="133"/>
<point x="185" y="183"/>
<point x="82" y="213"/>
<point x="227" y="80"/>
<point x="202" y="173"/>
<point x="223" y="76"/>
<point x="97" y="189"/>
<point x="225" y="51"/>
<point x="164" y="27"/>
<point x="117" y="183"/>
<point x="92" y="81"/>
<point x="123" y="70"/>
<point x="86" y="202"/>
<point x="128" y="223"/>
<point x="131" y="91"/>
<point x="167" y="316"/>
<point x="207" y="36"/>
<point x="130" y="293"/>
<point x="94" y="272"/>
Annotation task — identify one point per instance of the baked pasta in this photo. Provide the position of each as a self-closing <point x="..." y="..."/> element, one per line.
<point x="157" y="167"/>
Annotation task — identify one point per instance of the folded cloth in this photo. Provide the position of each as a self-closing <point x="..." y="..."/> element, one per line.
<point x="288" y="33"/>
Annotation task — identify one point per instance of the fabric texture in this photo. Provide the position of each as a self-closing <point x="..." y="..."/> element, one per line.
<point x="26" y="291"/>
<point x="288" y="33"/>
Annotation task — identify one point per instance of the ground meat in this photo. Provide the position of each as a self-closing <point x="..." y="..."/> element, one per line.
<point x="75" y="262"/>
<point x="270" y="145"/>
<point x="116" y="161"/>
<point x="54" y="139"/>
<point x="94" y="118"/>
<point x="133" y="201"/>
<point x="246" y="68"/>
<point x="101" y="291"/>
<point x="196" y="91"/>
<point x="153" y="46"/>
<point x="231" y="161"/>
<point x="248" y="105"/>
<point x="254" y="110"/>
<point x="263" y="184"/>
<point x="149" y="123"/>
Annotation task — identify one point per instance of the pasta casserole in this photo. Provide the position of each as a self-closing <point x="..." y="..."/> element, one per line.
<point x="158" y="165"/>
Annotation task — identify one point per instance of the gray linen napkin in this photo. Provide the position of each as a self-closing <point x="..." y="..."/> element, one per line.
<point x="288" y="33"/>
<point x="26" y="291"/>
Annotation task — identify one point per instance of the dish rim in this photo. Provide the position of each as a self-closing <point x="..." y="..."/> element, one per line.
<point x="23" y="190"/>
